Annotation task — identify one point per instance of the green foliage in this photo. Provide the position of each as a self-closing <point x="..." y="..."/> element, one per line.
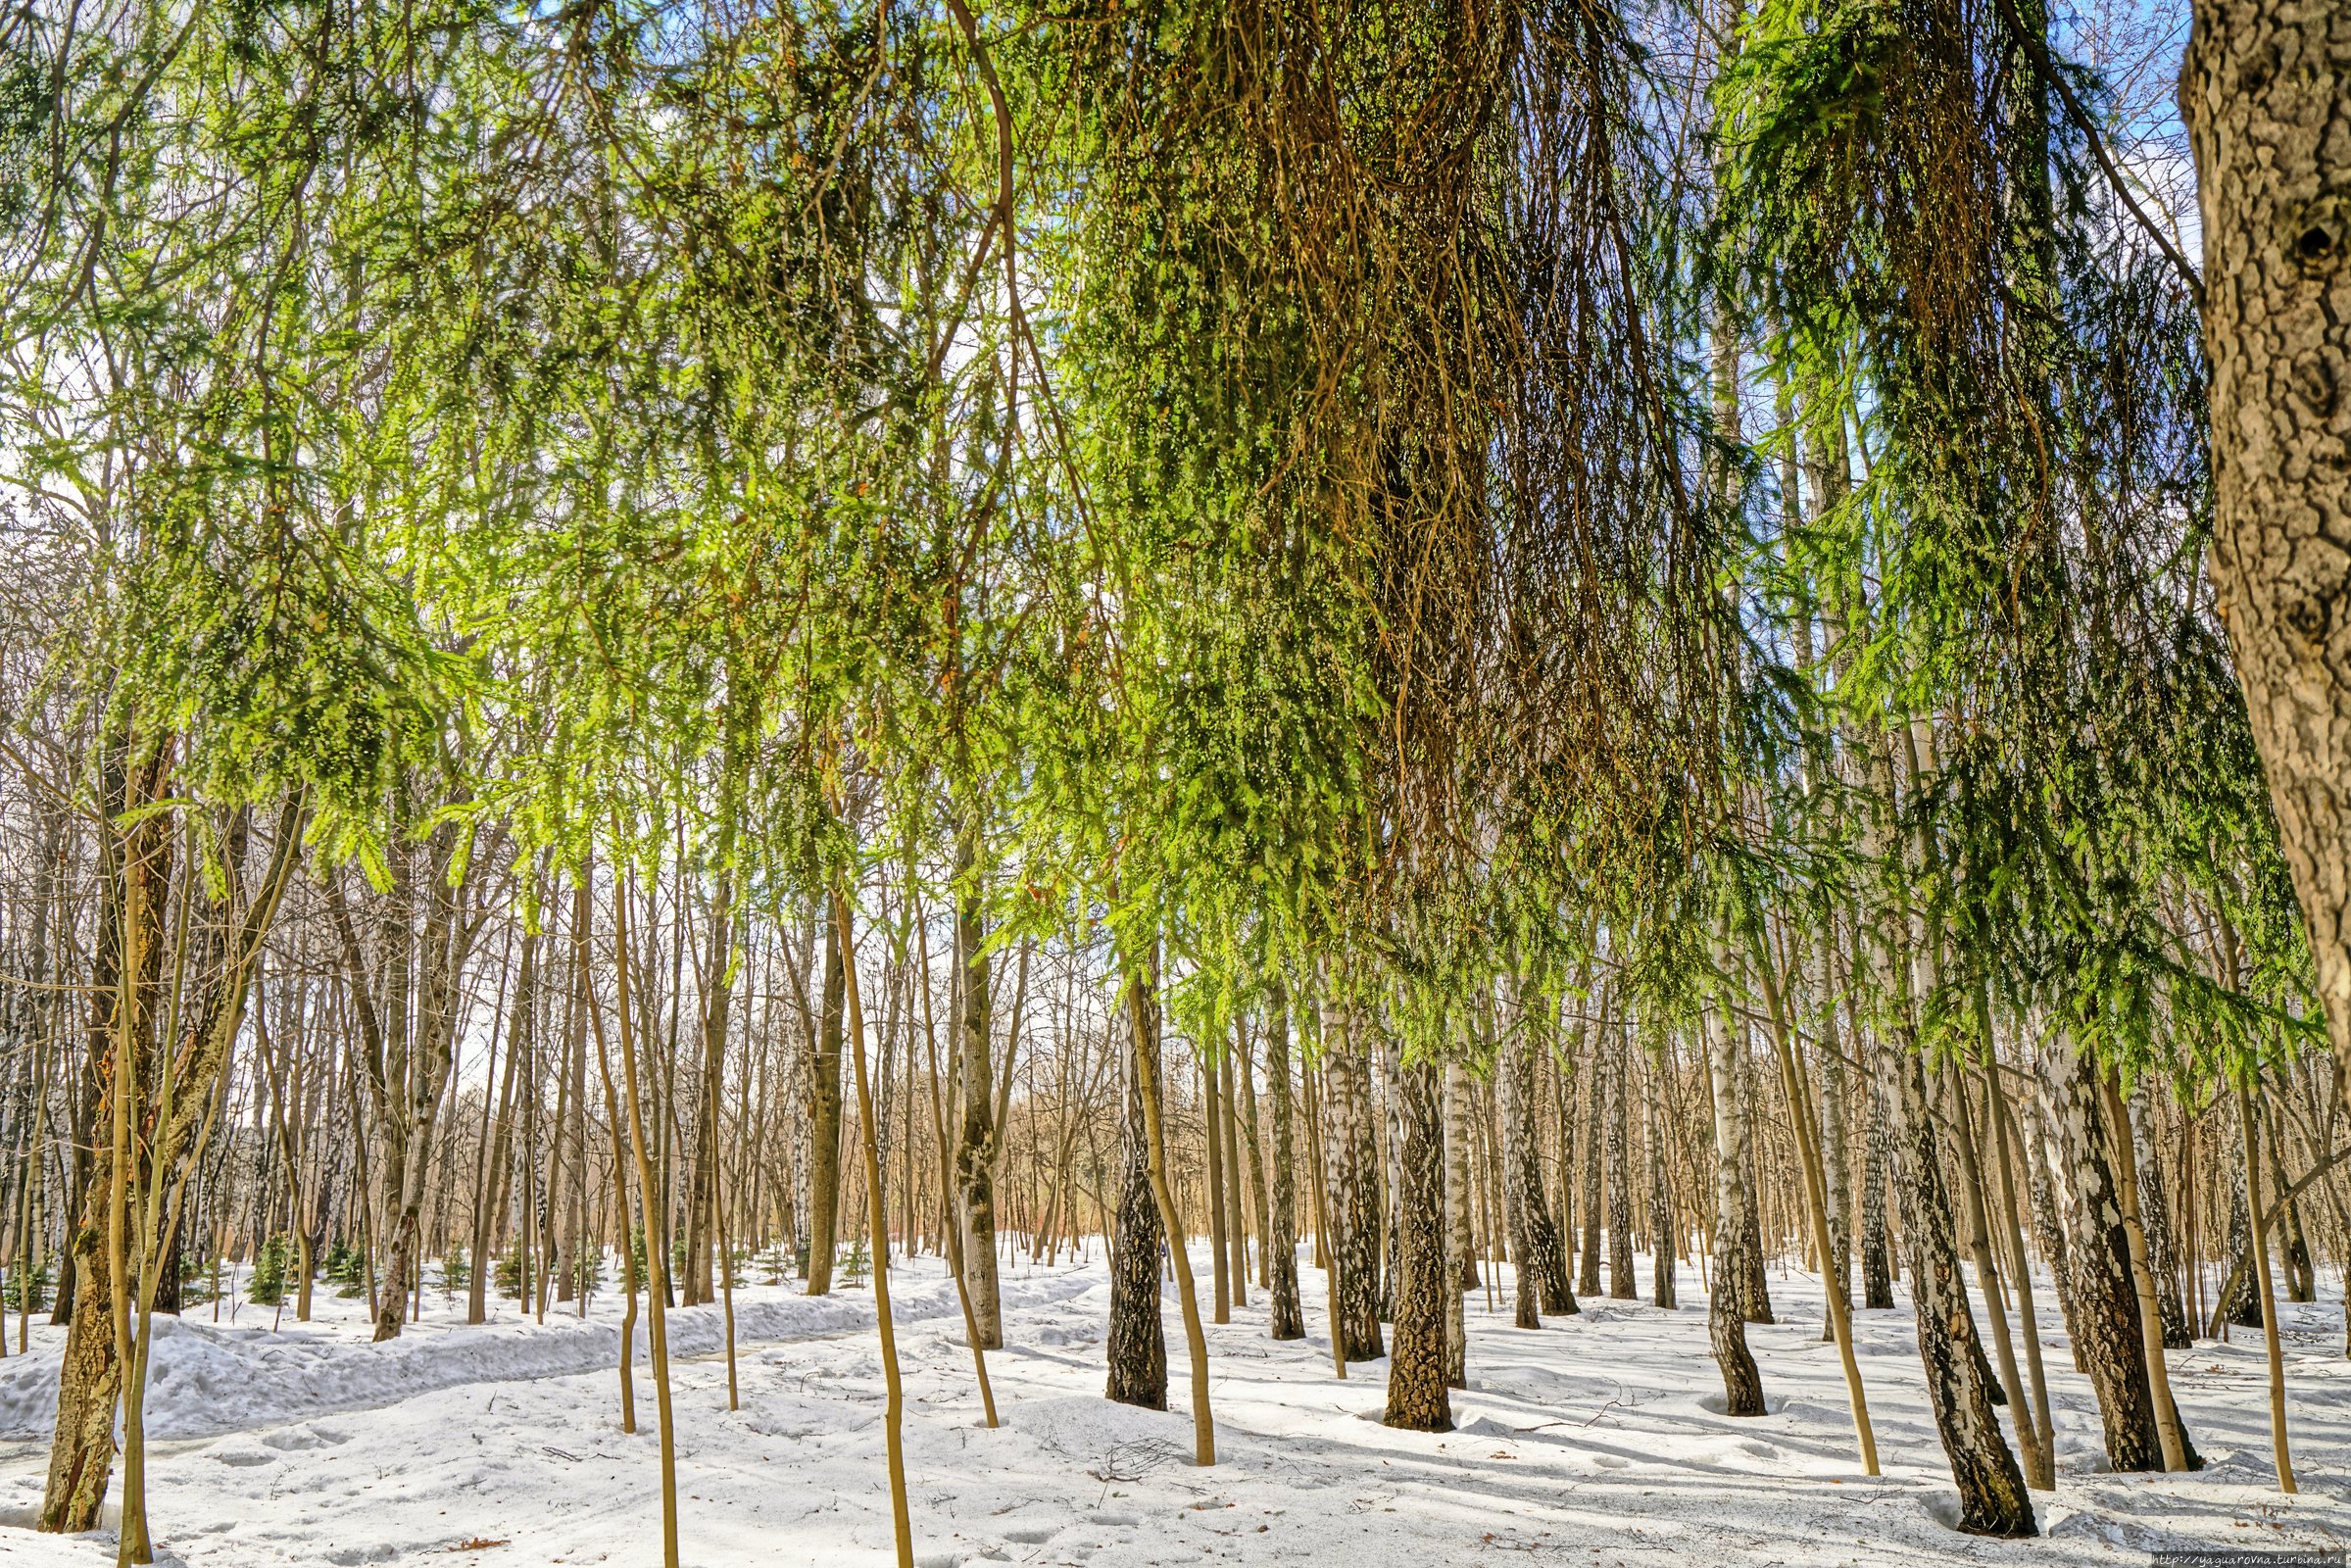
<point x="13" y="1288"/>
<point x="345" y="1268"/>
<point x="266" y="1286"/>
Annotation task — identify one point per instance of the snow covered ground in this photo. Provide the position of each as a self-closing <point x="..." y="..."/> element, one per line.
<point x="1587" y="1442"/>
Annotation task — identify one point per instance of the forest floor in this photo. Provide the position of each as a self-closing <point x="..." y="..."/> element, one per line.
<point x="1587" y="1442"/>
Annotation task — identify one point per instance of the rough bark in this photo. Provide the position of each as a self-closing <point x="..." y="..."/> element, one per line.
<point x="1416" y="1383"/>
<point x="1662" y="1239"/>
<point x="1588" y="1200"/>
<point x="1460" y="1257"/>
<point x="2266" y="98"/>
<point x="1726" y="1324"/>
<point x="1992" y="1499"/>
<point x="1535" y="1244"/>
<point x="2155" y="1213"/>
<point x="1877" y="1256"/>
<point x="1836" y="1150"/>
<point x="1622" y="1286"/>
<point x="1286" y="1319"/>
<point x="1355" y="1177"/>
<point x="2105" y="1316"/>
<point x="824" y="1128"/>
<point x="1753" y="1293"/>
<point x="975" y="1146"/>
<point x="1138" y="1343"/>
<point x="697" y="1285"/>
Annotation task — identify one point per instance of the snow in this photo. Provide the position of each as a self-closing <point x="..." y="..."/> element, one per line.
<point x="1589" y="1441"/>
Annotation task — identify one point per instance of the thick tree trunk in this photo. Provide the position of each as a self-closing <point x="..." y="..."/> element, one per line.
<point x="1416" y="1383"/>
<point x="1138" y="1343"/>
<point x="1354" y="1152"/>
<point x="2105" y="1317"/>
<point x="1992" y="1499"/>
<point x="2268" y="105"/>
<point x="1287" y="1319"/>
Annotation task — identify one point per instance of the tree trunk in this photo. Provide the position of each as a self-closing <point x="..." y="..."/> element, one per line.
<point x="1137" y="1343"/>
<point x="1754" y="1293"/>
<point x="1742" y="1383"/>
<point x="1287" y="1319"/>
<point x="1587" y="1198"/>
<point x="2268" y="105"/>
<point x="1460" y="1256"/>
<point x="824" y="1129"/>
<point x="976" y="1145"/>
<point x="2155" y="1213"/>
<point x="1354" y="1178"/>
<point x="1992" y="1499"/>
<point x="1536" y="1246"/>
<point x="2268" y="1306"/>
<point x="1236" y="1228"/>
<point x="2105" y="1318"/>
<point x="1663" y="1241"/>
<point x="1416" y="1383"/>
<point x="1622" y="1286"/>
<point x="1212" y="1152"/>
<point x="1877" y="1256"/>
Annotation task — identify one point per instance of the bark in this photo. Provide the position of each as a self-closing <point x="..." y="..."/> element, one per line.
<point x="1260" y="1187"/>
<point x="1588" y="1200"/>
<point x="1138" y="1343"/>
<point x="1742" y="1383"/>
<point x="1662" y="1226"/>
<point x="1212" y="1149"/>
<point x="2293" y="1247"/>
<point x="1416" y="1383"/>
<point x="976" y="1144"/>
<point x="1747" y="1279"/>
<point x="1460" y="1259"/>
<point x="1354" y="1178"/>
<point x="2268" y="104"/>
<point x="160" y="1097"/>
<point x="1876" y="1254"/>
<point x="2278" y="1450"/>
<point x="1236" y="1231"/>
<point x="1622" y="1286"/>
<point x="1393" y="1120"/>
<point x="1992" y="1499"/>
<point x="2155" y="1213"/>
<point x="701" y="1195"/>
<point x="1535" y="1244"/>
<point x="824" y="1127"/>
<point x="2105" y="1317"/>
<point x="2236" y="1305"/>
<point x="1835" y="1153"/>
<point x="1286" y="1320"/>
